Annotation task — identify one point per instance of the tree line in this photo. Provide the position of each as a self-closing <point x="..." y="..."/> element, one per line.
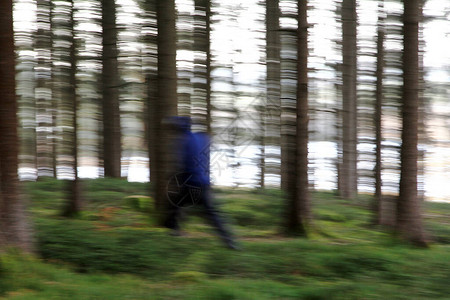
<point x="64" y="68"/>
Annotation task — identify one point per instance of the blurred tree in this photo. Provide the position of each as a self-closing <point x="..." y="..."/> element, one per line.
<point x="288" y="127"/>
<point x="74" y="203"/>
<point x="288" y="101"/>
<point x="208" y="67"/>
<point x="409" y="221"/>
<point x="201" y="102"/>
<point x="165" y="103"/>
<point x="302" y="113"/>
<point x="424" y="108"/>
<point x="46" y="158"/>
<point x="149" y="66"/>
<point x="379" y="95"/>
<point x="391" y="110"/>
<point x="348" y="172"/>
<point x="112" y="150"/>
<point x="271" y="119"/>
<point x="297" y="179"/>
<point x="25" y="91"/>
<point x="187" y="30"/>
<point x="14" y="229"/>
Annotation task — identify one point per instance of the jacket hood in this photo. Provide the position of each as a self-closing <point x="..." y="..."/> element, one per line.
<point x="182" y="123"/>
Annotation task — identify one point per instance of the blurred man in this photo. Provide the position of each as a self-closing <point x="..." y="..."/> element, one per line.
<point x="189" y="183"/>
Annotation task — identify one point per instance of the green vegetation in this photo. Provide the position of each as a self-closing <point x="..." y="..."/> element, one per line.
<point x="113" y="251"/>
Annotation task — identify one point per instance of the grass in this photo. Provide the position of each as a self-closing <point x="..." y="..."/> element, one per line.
<point x="113" y="251"/>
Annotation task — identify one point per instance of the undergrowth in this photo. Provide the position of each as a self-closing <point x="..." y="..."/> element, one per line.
<point x="113" y="250"/>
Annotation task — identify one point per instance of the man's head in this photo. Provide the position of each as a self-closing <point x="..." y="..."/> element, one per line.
<point x="178" y="123"/>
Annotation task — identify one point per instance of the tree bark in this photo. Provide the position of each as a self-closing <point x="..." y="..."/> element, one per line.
<point x="166" y="101"/>
<point x="297" y="181"/>
<point x="14" y="227"/>
<point x="150" y="64"/>
<point x="273" y="90"/>
<point x="112" y="149"/>
<point x="43" y="93"/>
<point x="74" y="204"/>
<point x="379" y="96"/>
<point x="208" y="69"/>
<point x="302" y="113"/>
<point x="409" y="221"/>
<point x="271" y="111"/>
<point x="349" y="147"/>
<point x="201" y="100"/>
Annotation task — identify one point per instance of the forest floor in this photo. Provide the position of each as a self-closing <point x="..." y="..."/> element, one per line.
<point x="114" y="251"/>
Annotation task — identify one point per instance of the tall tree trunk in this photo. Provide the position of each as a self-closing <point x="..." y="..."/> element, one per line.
<point x="201" y="101"/>
<point x="297" y="176"/>
<point x="166" y="101"/>
<point x="74" y="203"/>
<point x="151" y="81"/>
<point x="187" y="86"/>
<point x="271" y="111"/>
<point x="262" y="144"/>
<point x="379" y="96"/>
<point x="54" y="99"/>
<point x="208" y="68"/>
<point x="14" y="229"/>
<point x="302" y="113"/>
<point x="409" y="222"/>
<point x="43" y="93"/>
<point x="423" y="107"/>
<point x="349" y="117"/>
<point x="112" y="149"/>
<point x="273" y="71"/>
<point x="150" y="71"/>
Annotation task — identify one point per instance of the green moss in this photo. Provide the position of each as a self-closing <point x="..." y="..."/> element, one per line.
<point x="190" y="276"/>
<point x="114" y="252"/>
<point x="140" y="203"/>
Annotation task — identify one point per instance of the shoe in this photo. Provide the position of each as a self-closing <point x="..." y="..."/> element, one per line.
<point x="233" y="246"/>
<point x="176" y="232"/>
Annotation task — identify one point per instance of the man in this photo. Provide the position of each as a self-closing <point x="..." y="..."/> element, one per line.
<point x="189" y="183"/>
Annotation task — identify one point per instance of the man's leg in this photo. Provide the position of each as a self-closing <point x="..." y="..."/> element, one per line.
<point x="174" y="209"/>
<point x="213" y="216"/>
<point x="173" y="213"/>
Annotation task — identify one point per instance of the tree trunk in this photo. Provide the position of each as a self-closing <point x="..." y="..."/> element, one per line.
<point x="271" y="110"/>
<point x="302" y="113"/>
<point x="349" y="155"/>
<point x="54" y="99"/>
<point x="262" y="145"/>
<point x="409" y="222"/>
<point x="273" y="89"/>
<point x="150" y="122"/>
<point x="208" y="68"/>
<point x="14" y="229"/>
<point x="297" y="181"/>
<point x="166" y="101"/>
<point x="201" y="100"/>
<point x="378" y="114"/>
<point x="43" y="94"/>
<point x="110" y="80"/>
<point x="150" y="64"/>
<point x="74" y="204"/>
<point x="424" y="107"/>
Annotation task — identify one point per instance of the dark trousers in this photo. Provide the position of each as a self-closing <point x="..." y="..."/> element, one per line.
<point x="195" y="196"/>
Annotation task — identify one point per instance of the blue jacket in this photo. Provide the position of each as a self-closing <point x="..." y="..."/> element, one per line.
<point x="194" y="149"/>
<point x="200" y="152"/>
